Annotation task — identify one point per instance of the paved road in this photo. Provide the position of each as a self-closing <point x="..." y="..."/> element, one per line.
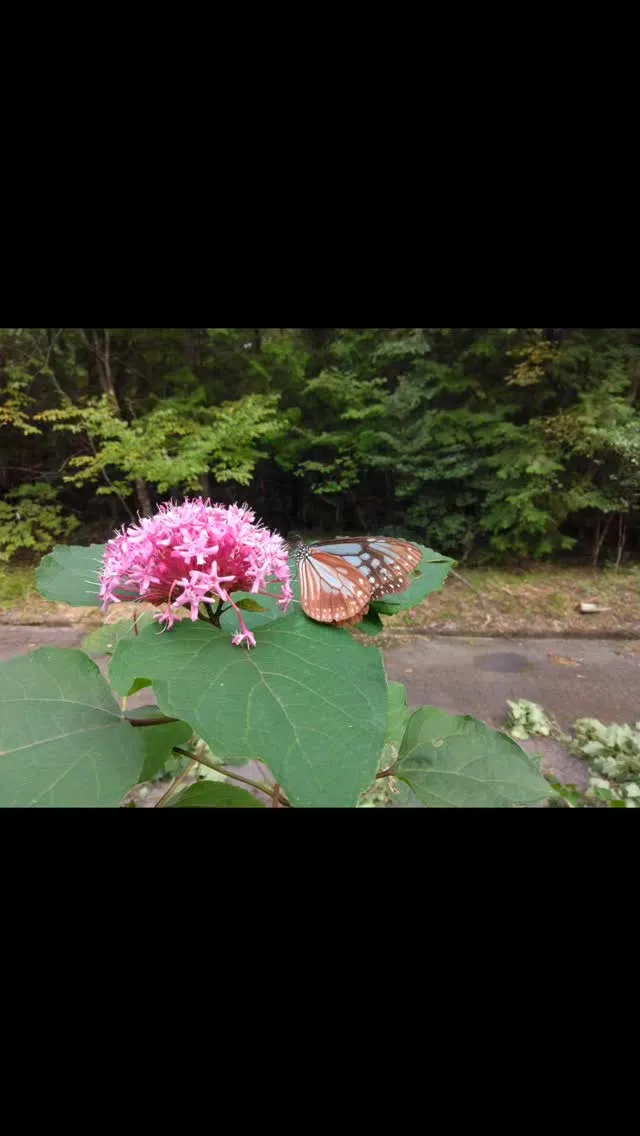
<point x="571" y="678"/>
<point x="20" y="640"/>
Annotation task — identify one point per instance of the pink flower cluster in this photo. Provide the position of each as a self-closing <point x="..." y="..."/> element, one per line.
<point x="192" y="554"/>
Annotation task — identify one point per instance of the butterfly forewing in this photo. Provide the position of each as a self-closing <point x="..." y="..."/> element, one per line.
<point x="398" y="561"/>
<point x="387" y="562"/>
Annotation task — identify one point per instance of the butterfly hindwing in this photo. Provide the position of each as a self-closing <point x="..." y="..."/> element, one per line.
<point x="331" y="589"/>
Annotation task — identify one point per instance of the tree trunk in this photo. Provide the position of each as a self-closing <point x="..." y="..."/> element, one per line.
<point x="622" y="540"/>
<point x="601" y="536"/>
<point x="144" y="500"/>
<point x="105" y="376"/>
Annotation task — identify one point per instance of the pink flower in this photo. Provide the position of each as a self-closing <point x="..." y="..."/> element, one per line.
<point x="192" y="554"/>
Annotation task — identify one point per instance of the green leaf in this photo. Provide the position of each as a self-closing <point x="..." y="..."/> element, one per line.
<point x="138" y="684"/>
<point x="397" y="718"/>
<point x="434" y="570"/>
<point x="459" y="762"/>
<point x="309" y="700"/>
<point x="66" y="575"/>
<point x="397" y="713"/>
<point x="404" y="798"/>
<point x="105" y="639"/>
<point x="371" y="624"/>
<point x="158" y="741"/>
<point x="63" y="742"/>
<point x="248" y="604"/>
<point x="258" y="615"/>
<point x="215" y="795"/>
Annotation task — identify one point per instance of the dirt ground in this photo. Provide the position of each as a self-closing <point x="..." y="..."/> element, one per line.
<point x="544" y="601"/>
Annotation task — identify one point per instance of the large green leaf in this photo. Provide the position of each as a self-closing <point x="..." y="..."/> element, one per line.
<point x="433" y="570"/>
<point x="459" y="762"/>
<point x="63" y="742"/>
<point x="68" y="573"/>
<point x="105" y="639"/>
<point x="158" y="741"/>
<point x="215" y="795"/>
<point x="308" y="700"/>
<point x="397" y="713"/>
<point x="397" y="718"/>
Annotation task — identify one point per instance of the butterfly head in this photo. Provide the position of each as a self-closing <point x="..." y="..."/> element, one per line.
<point x="297" y="546"/>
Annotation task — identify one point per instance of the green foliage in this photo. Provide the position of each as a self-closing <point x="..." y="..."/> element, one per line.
<point x="459" y="762"/>
<point x="383" y="793"/>
<point x="16" y="585"/>
<point x="159" y="741"/>
<point x="612" y="753"/>
<point x="489" y="443"/>
<point x="32" y="521"/>
<point x="63" y="740"/>
<point x="214" y="795"/>
<point x="310" y="701"/>
<point x="105" y="639"/>
<point x="71" y="575"/>
<point x="174" y="445"/>
<point x="307" y="695"/>
<point x="527" y="719"/>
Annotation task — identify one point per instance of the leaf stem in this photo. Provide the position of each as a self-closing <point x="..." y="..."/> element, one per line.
<point x="386" y="772"/>
<point x="151" y="722"/>
<point x="275" y="803"/>
<point x="174" y="785"/>
<point x="232" y="775"/>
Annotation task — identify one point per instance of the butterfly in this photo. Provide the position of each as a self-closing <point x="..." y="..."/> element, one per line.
<point x="340" y="578"/>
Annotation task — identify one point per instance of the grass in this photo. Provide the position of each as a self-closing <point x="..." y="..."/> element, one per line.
<point x="16" y="586"/>
<point x="20" y="603"/>
<point x="542" y="600"/>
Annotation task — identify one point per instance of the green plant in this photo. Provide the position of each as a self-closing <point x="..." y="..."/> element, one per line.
<point x="612" y="753"/>
<point x="310" y="701"/>
<point x="31" y="521"/>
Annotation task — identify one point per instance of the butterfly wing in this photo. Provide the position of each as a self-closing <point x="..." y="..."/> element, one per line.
<point x="393" y="561"/>
<point x="387" y="562"/>
<point x="331" y="588"/>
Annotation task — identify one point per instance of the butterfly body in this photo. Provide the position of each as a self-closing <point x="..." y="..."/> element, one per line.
<point x="340" y="578"/>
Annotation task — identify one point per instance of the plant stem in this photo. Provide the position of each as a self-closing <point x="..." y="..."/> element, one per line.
<point x="275" y="803"/>
<point x="385" y="773"/>
<point x="151" y="722"/>
<point x="213" y="616"/>
<point x="228" y="773"/>
<point x="174" y="785"/>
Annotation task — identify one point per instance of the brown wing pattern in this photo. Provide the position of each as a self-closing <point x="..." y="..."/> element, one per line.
<point x="393" y="562"/>
<point x="331" y="590"/>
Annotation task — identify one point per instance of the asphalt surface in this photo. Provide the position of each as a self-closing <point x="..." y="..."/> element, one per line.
<point x="570" y="678"/>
